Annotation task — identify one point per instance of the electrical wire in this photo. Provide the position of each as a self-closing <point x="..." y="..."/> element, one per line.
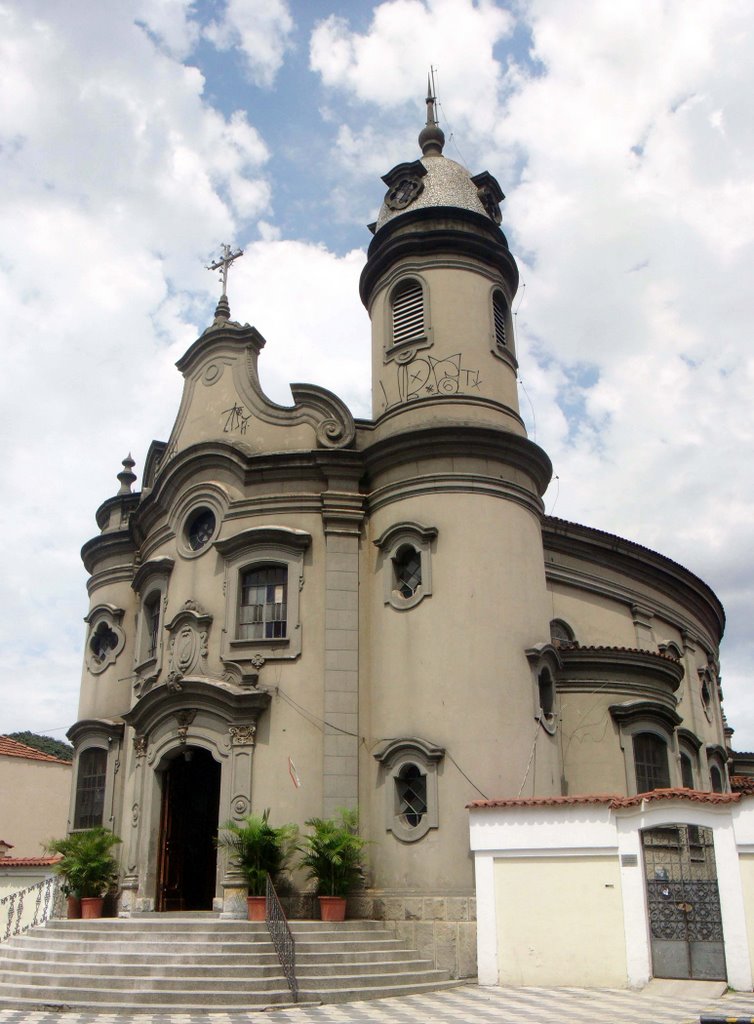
<point x="531" y="759"/>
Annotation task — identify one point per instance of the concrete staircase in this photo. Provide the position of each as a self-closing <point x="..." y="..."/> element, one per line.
<point x="180" y="964"/>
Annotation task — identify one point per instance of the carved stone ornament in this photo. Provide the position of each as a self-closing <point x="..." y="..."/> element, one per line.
<point x="240" y="806"/>
<point x="140" y="746"/>
<point x="404" y="192"/>
<point x="184" y="719"/>
<point x="173" y="681"/>
<point x="242" y="735"/>
<point x="404" y="183"/>
<point x="189" y="644"/>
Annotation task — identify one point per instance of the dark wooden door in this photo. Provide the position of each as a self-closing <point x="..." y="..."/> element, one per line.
<point x="188" y="829"/>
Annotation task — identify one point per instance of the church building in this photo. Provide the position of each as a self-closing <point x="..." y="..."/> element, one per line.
<point x="302" y="611"/>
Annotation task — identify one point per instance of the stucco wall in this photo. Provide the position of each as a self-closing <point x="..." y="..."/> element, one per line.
<point x="560" y="921"/>
<point x="33" y="803"/>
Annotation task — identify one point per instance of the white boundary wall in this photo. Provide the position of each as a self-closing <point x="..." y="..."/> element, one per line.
<point x="548" y="831"/>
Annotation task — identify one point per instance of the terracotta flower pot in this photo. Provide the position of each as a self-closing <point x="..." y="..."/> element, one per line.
<point x="74" y="908"/>
<point x="257" y="905"/>
<point x="332" y="908"/>
<point x="91" y="907"/>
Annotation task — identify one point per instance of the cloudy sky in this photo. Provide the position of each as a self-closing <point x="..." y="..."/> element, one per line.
<point x="137" y="135"/>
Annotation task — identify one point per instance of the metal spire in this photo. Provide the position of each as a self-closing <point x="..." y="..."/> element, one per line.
<point x="431" y="137"/>
<point x="228" y="256"/>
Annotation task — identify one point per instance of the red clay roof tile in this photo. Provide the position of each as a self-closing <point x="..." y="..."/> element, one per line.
<point x="12" y="748"/>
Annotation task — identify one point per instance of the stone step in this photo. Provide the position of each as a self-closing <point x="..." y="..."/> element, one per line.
<point x="247" y="972"/>
<point x="37" y="940"/>
<point x="97" y="986"/>
<point x="47" y="957"/>
<point x="203" y="964"/>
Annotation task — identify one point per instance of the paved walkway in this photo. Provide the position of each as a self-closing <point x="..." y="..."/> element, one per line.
<point x="667" y="1003"/>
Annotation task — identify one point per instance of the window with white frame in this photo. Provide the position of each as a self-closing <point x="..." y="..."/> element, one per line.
<point x="409" y="770"/>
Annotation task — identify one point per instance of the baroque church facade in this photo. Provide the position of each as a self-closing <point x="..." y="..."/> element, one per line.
<point x="301" y="611"/>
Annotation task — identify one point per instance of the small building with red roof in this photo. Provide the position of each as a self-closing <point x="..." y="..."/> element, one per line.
<point x="34" y="799"/>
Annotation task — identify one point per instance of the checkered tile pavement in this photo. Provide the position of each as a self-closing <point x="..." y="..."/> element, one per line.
<point x="452" y="1006"/>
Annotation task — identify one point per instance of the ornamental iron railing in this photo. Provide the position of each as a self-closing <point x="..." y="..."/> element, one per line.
<point x="28" y="907"/>
<point x="282" y="938"/>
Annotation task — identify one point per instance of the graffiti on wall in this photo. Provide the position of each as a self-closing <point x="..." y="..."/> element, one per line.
<point x="426" y="377"/>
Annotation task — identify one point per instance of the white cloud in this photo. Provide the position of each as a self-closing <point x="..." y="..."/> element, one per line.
<point x="625" y="143"/>
<point x="260" y="29"/>
<point x="388" y="64"/>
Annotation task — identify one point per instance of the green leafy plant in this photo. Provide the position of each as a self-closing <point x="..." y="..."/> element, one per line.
<point x="258" y="849"/>
<point x="87" y="863"/>
<point x="333" y="853"/>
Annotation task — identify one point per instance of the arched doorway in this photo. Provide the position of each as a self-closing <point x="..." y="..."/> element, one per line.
<point x="188" y="828"/>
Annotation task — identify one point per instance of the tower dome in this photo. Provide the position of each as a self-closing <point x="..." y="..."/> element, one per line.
<point x="437" y="181"/>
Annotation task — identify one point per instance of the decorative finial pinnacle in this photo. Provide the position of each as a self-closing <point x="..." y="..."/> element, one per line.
<point x="228" y="256"/>
<point x="126" y="475"/>
<point x="431" y="137"/>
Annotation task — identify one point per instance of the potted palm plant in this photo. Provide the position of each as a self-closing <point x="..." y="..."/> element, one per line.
<point x="257" y="850"/>
<point x="332" y="853"/>
<point x="87" y="865"/>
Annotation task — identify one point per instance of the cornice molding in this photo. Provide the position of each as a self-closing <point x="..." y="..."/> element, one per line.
<point x="638" y="563"/>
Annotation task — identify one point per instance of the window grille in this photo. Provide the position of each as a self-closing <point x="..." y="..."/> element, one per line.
<point x="263" y="613"/>
<point x="408" y="312"/>
<point x="90" y="788"/>
<point x="651" y="763"/>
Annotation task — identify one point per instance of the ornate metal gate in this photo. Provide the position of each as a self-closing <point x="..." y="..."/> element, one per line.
<point x="683" y="902"/>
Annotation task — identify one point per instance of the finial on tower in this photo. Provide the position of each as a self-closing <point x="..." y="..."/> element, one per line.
<point x="223" y="306"/>
<point x="126" y="475"/>
<point x="431" y="137"/>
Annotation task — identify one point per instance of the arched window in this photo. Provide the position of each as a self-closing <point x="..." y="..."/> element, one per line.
<point x="151" y="632"/>
<point x="561" y="634"/>
<point x="687" y="771"/>
<point x="90" y="788"/>
<point x="410" y="773"/>
<point x="263" y="608"/>
<point x="407" y="308"/>
<point x="650" y="762"/>
<point x="408" y="570"/>
<point x="716" y="779"/>
<point x="546" y="693"/>
<point x="500" y="316"/>
<point x="411" y="794"/>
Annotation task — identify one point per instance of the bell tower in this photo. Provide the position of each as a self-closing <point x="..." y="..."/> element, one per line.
<point x="454" y="588"/>
<point x="438" y="284"/>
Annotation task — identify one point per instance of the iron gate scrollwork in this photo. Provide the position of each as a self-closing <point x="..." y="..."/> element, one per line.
<point x="683" y="903"/>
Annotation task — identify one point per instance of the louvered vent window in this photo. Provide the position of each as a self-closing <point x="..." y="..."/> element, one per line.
<point x="498" y="312"/>
<point x="408" y="312"/>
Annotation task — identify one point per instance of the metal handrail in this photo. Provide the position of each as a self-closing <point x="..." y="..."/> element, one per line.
<point x="282" y="937"/>
<point x="46" y="895"/>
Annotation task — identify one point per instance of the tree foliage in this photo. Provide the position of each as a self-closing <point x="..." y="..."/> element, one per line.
<point x="46" y="744"/>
